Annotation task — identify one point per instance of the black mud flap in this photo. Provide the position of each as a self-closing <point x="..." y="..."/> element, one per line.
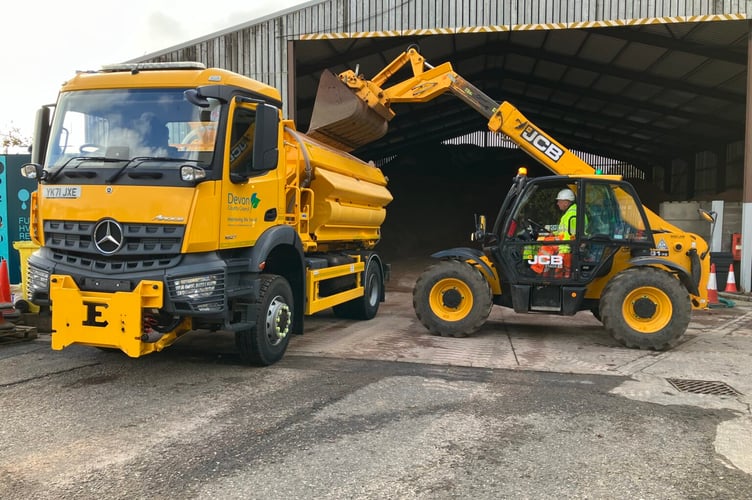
<point x="571" y="299"/>
<point x="521" y="298"/>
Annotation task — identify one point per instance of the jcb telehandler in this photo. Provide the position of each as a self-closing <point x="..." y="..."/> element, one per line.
<point x="640" y="275"/>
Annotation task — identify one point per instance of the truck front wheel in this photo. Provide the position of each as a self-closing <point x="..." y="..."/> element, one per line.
<point x="645" y="308"/>
<point x="265" y="343"/>
<point x="452" y="299"/>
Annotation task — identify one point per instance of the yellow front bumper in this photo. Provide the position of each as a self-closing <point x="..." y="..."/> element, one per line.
<point x="104" y="319"/>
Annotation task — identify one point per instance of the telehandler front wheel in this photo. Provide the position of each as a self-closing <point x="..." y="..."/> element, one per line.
<point x="452" y="299"/>
<point x="646" y="308"/>
<point x="265" y="342"/>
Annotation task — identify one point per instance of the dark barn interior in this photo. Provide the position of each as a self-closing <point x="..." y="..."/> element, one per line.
<point x="663" y="105"/>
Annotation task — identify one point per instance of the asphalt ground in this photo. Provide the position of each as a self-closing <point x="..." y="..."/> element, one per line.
<point x="532" y="406"/>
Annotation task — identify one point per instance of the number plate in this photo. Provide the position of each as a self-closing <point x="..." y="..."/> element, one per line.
<point x="62" y="191"/>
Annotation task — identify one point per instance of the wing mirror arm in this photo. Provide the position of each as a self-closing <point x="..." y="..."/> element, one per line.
<point x="711" y="217"/>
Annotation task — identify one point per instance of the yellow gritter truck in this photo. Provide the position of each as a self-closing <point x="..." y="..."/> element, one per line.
<point x="174" y="198"/>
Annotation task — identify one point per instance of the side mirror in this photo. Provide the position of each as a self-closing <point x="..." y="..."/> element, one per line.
<point x="265" y="143"/>
<point x="707" y="215"/>
<point x="41" y="134"/>
<point x="480" y="228"/>
<point x="32" y="171"/>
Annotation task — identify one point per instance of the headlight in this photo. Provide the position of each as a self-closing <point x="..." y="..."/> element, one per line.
<point x="196" y="287"/>
<point x="37" y="280"/>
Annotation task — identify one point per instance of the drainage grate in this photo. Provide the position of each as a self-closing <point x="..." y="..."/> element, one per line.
<point x="704" y="387"/>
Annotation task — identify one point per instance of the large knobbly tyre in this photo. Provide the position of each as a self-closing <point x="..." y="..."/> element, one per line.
<point x="367" y="306"/>
<point x="265" y="343"/>
<point x="452" y="299"/>
<point x="645" y="308"/>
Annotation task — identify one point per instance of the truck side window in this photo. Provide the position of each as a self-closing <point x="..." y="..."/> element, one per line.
<point x="241" y="141"/>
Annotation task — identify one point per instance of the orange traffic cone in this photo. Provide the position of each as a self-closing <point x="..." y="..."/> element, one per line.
<point x="5" y="295"/>
<point x="712" y="287"/>
<point x="731" y="281"/>
<point x="6" y="306"/>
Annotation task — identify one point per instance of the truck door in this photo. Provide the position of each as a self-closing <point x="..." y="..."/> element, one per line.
<point x="251" y="191"/>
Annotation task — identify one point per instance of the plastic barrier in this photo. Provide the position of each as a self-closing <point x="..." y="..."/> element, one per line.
<point x="25" y="249"/>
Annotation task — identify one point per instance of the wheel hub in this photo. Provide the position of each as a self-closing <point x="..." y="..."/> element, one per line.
<point x="644" y="308"/>
<point x="451" y="298"/>
<point x="278" y="320"/>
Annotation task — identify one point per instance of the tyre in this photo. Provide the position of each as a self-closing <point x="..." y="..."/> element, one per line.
<point x="367" y="306"/>
<point x="645" y="308"/>
<point x="265" y="343"/>
<point x="452" y="299"/>
<point x="596" y="313"/>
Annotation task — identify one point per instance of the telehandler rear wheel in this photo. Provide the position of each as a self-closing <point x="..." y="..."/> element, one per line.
<point x="452" y="299"/>
<point x="645" y="308"/>
<point x="265" y="343"/>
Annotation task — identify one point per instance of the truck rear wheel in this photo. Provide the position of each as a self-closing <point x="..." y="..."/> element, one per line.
<point x="367" y="306"/>
<point x="452" y="299"/>
<point x="645" y="308"/>
<point x="266" y="342"/>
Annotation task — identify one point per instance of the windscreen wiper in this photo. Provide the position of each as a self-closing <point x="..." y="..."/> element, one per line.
<point x="51" y="177"/>
<point x="138" y="160"/>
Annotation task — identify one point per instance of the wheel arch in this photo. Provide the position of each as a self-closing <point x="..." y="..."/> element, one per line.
<point x="372" y="258"/>
<point x="477" y="256"/>
<point x="279" y="251"/>
<point x="684" y="275"/>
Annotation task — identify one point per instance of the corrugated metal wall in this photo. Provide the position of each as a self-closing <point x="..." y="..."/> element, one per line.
<point x="258" y="49"/>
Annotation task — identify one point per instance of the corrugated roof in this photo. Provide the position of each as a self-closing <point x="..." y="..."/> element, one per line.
<point x="639" y="92"/>
<point x="651" y="82"/>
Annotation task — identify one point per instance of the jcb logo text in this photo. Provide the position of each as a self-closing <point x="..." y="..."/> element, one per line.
<point x="547" y="260"/>
<point x="540" y="142"/>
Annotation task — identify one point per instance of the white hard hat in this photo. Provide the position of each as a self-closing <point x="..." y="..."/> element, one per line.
<point x="565" y="194"/>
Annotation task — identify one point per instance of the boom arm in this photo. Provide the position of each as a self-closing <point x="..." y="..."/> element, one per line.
<point x="426" y="85"/>
<point x="428" y="82"/>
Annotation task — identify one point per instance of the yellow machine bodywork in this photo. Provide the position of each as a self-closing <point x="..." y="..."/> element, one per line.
<point x="330" y="123"/>
<point x="334" y="201"/>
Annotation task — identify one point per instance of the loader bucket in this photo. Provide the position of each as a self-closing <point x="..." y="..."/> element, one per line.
<point x="341" y="119"/>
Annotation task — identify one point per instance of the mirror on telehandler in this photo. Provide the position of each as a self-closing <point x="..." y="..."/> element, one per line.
<point x="480" y="228"/>
<point x="708" y="216"/>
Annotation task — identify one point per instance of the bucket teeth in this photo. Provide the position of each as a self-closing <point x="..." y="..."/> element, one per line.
<point x="341" y="119"/>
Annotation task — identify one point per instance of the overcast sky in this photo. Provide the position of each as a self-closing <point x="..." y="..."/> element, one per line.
<point x="46" y="42"/>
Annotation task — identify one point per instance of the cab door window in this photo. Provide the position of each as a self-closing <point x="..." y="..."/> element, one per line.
<point x="242" y="134"/>
<point x="542" y="233"/>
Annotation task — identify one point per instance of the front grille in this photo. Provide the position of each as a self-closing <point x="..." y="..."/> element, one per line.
<point x="145" y="246"/>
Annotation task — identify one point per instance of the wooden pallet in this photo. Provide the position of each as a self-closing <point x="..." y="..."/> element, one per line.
<point x="18" y="334"/>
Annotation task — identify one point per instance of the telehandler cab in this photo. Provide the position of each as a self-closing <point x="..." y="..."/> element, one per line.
<point x="640" y="275"/>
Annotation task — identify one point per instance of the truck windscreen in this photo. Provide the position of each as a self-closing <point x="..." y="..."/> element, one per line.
<point x="123" y="124"/>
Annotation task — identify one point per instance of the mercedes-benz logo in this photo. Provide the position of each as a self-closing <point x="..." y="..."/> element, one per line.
<point x="108" y="236"/>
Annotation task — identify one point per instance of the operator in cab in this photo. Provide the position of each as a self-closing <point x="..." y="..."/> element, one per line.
<point x="568" y="222"/>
